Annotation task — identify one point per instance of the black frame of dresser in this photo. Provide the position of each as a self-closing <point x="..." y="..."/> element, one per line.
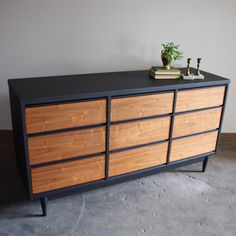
<point x="20" y="141"/>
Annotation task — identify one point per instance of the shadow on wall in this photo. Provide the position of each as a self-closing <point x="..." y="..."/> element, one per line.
<point x="131" y="55"/>
<point x="12" y="189"/>
<point x="5" y="117"/>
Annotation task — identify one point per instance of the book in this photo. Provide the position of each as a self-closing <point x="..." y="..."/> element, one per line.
<point x="161" y="68"/>
<point x="170" y="76"/>
<point x="164" y="71"/>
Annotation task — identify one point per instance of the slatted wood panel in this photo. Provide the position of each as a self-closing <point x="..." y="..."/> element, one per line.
<point x="65" y="115"/>
<point x="141" y="106"/>
<point x="137" y="159"/>
<point x="192" y="99"/>
<point x="192" y="146"/>
<point x="67" y="174"/>
<point x="64" y="145"/>
<point x="196" y="122"/>
<point x="139" y="132"/>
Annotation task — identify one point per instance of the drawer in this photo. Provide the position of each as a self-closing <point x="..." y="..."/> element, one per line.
<point x="141" y="106"/>
<point x="196" y="122"/>
<point x="139" y="132"/>
<point x="192" y="146"/>
<point x="67" y="174"/>
<point x="65" y="115"/>
<point x="137" y="159"/>
<point x="199" y="98"/>
<point x="64" y="145"/>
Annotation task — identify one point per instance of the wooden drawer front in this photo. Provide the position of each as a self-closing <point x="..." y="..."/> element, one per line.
<point x="67" y="174"/>
<point x="139" y="132"/>
<point x="199" y="98"/>
<point x="196" y="122"/>
<point x="61" y="116"/>
<point x="64" y="145"/>
<point x="141" y="106"/>
<point x="192" y="146"/>
<point x="137" y="159"/>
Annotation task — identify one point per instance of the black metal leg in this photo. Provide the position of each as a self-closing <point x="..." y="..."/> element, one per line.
<point x="44" y="205"/>
<point x="204" y="164"/>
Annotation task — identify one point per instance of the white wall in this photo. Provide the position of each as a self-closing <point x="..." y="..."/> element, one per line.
<point x="50" y="37"/>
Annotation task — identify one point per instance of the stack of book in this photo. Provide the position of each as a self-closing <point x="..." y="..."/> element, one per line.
<point x="158" y="72"/>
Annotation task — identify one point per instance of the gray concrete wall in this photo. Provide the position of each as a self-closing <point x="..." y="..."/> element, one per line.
<point x="50" y="37"/>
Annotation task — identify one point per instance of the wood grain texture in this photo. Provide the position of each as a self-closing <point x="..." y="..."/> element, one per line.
<point x="192" y="146"/>
<point x="139" y="132"/>
<point x="65" y="115"/>
<point x="137" y="159"/>
<point x="64" y="145"/>
<point x="141" y="106"/>
<point x="196" y="122"/>
<point x="67" y="174"/>
<point x="192" y="99"/>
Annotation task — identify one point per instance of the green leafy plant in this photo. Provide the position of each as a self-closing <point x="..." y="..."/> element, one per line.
<point x="171" y="52"/>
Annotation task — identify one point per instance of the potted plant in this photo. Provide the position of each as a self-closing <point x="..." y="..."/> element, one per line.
<point x="170" y="53"/>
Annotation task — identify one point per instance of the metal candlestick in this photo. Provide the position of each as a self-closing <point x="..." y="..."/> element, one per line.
<point x="187" y="75"/>
<point x="198" y="66"/>
<point x="188" y="67"/>
<point x="198" y="74"/>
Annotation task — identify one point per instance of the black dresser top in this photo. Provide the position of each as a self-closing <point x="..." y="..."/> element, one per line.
<point x="72" y="87"/>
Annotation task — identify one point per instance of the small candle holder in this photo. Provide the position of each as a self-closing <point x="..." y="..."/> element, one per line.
<point x="198" y="74"/>
<point x="187" y="75"/>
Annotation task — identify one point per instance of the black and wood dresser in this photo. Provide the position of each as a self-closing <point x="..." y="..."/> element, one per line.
<point x="80" y="132"/>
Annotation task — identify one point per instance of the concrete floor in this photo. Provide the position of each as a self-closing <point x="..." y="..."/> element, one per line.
<point x="181" y="202"/>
